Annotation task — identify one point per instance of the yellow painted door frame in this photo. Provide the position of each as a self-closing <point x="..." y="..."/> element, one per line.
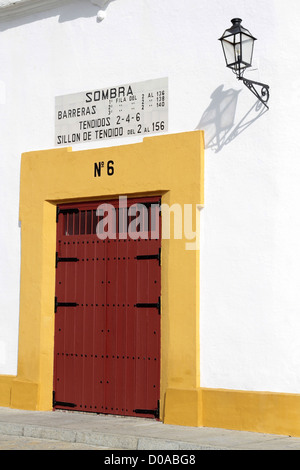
<point x="169" y="165"/>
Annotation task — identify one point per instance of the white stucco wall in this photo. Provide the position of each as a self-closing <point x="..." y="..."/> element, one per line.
<point x="250" y="227"/>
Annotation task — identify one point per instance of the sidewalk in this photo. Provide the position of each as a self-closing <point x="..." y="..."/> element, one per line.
<point x="115" y="432"/>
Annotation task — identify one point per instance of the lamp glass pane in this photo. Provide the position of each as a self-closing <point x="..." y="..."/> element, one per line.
<point x="247" y="49"/>
<point x="229" y="52"/>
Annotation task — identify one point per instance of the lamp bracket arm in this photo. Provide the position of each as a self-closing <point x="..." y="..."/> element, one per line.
<point x="263" y="95"/>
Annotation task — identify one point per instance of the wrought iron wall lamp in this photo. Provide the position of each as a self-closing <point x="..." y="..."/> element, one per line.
<point x="238" y="44"/>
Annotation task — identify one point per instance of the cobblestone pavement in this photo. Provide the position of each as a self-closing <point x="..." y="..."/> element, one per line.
<point x="29" y="443"/>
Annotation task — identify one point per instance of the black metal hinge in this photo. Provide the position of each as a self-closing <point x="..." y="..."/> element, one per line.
<point x="149" y="305"/>
<point x="61" y="403"/>
<point x="149" y="412"/>
<point x="143" y="257"/>
<point x="64" y="260"/>
<point x="63" y="304"/>
<point x="65" y="211"/>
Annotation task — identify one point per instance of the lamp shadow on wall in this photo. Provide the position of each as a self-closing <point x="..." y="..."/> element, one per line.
<point x="218" y="120"/>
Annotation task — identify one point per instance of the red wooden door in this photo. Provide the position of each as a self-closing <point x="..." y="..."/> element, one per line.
<point x="107" y="309"/>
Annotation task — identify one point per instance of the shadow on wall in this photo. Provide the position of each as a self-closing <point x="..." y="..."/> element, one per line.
<point x="218" y="119"/>
<point x="67" y="11"/>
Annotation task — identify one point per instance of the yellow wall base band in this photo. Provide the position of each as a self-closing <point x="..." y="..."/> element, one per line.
<point x="183" y="407"/>
<point x="5" y="390"/>
<point x="24" y="395"/>
<point x="263" y="412"/>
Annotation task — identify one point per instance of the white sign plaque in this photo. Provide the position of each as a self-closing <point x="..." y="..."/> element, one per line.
<point x="121" y="111"/>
